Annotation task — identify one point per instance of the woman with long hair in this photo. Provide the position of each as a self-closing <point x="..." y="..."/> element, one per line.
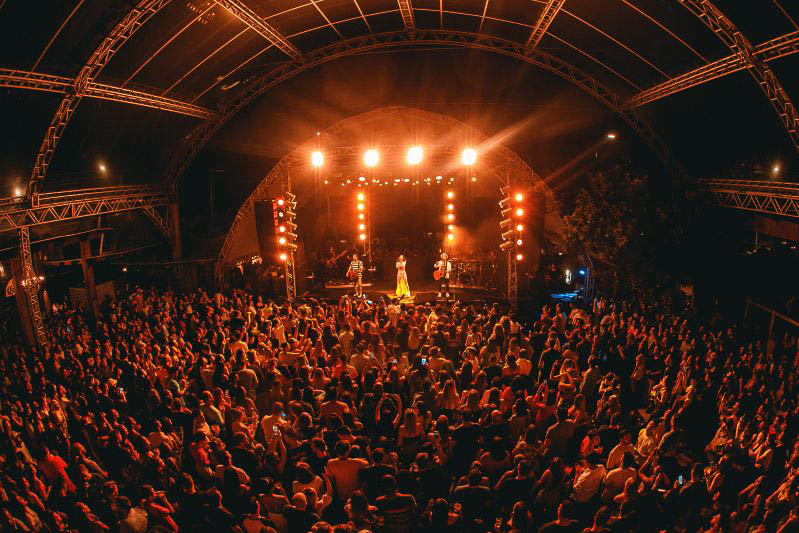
<point x="403" y="291"/>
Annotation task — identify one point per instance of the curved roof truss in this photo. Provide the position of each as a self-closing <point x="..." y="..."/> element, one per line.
<point x="203" y="133"/>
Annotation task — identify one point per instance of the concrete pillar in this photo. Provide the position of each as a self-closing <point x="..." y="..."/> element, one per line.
<point x="88" y="278"/>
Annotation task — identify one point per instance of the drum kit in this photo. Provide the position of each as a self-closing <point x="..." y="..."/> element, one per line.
<point x="472" y="273"/>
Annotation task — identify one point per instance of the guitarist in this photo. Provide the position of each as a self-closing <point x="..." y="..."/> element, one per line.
<point x="444" y="268"/>
<point x="355" y="273"/>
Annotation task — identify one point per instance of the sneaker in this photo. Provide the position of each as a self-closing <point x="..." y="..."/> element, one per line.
<point x="439" y="295"/>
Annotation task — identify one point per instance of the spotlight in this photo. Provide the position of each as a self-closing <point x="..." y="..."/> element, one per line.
<point x="282" y="240"/>
<point x="519" y="227"/>
<point x="317" y="159"/>
<point x="360" y="207"/>
<point x="611" y="136"/>
<point x="451" y="227"/>
<point x="519" y="257"/>
<point x="776" y="169"/>
<point x="371" y="157"/>
<point x="17" y="191"/>
<point x="124" y="269"/>
<point x="361" y="178"/>
<point x="362" y="236"/>
<point x="450" y="195"/>
<point x="450" y="217"/>
<point x="450" y="207"/>
<point x="519" y="197"/>
<point x="519" y="242"/>
<point x="361" y="197"/>
<point x="415" y="154"/>
<point x="361" y="227"/>
<point x="582" y="272"/>
<point x="469" y="156"/>
<point x="102" y="168"/>
<point x="327" y="182"/>
<point x="519" y="212"/>
<point x="283" y="257"/>
<point x="282" y="229"/>
<point x="450" y="236"/>
<point x="360" y="216"/>
<point x="474" y="178"/>
<point x="280" y="202"/>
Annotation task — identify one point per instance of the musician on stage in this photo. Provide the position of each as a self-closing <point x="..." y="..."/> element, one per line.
<point x="444" y="267"/>
<point x="355" y="273"/>
<point x="403" y="291"/>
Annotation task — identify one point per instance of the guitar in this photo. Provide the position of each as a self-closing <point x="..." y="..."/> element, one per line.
<point x="440" y="271"/>
<point x="330" y="262"/>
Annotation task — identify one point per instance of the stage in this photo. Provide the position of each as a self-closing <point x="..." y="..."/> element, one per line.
<point x="423" y="292"/>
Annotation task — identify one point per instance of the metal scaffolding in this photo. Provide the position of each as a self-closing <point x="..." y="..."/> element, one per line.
<point x="732" y="37"/>
<point x="241" y="11"/>
<point x="36" y="81"/>
<point x="542" y="24"/>
<point x="198" y="138"/>
<point x="71" y="205"/>
<point x="406" y="10"/>
<point x="768" y="51"/>
<point x="137" y="16"/>
<point x="31" y="283"/>
<point x="767" y="197"/>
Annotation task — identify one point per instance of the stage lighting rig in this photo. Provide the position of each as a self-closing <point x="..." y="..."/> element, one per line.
<point x="511" y="223"/>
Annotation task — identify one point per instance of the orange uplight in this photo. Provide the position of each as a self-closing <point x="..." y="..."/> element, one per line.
<point x="360" y="216"/>
<point x="360" y="207"/>
<point x="362" y="236"/>
<point x="519" y="242"/>
<point x="450" y="207"/>
<point x="451" y="227"/>
<point x="450" y="217"/>
<point x="450" y="236"/>
<point x="282" y="229"/>
<point x="519" y="257"/>
<point x="280" y="202"/>
<point x="282" y="240"/>
<point x="361" y="227"/>
<point x="283" y="257"/>
<point x="519" y="212"/>
<point x="519" y="227"/>
<point x="450" y="195"/>
<point x="519" y="197"/>
<point x="361" y="197"/>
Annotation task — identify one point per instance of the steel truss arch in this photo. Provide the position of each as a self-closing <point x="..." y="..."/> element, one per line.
<point x="738" y="44"/>
<point x="198" y="138"/>
<point x="108" y="47"/>
<point x="291" y="161"/>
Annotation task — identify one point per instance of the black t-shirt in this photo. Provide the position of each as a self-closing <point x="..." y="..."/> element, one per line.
<point x="397" y="511"/>
<point x="299" y="521"/>
<point x="554" y="527"/>
<point x="474" y="500"/>
<point x="371" y="475"/>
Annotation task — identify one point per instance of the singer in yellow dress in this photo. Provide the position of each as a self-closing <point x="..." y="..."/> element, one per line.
<point x="403" y="291"/>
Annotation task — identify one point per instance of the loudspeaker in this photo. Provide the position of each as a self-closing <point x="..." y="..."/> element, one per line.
<point x="265" y="228"/>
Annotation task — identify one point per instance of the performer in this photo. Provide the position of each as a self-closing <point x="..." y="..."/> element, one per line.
<point x="355" y="273"/>
<point x="403" y="291"/>
<point x="444" y="268"/>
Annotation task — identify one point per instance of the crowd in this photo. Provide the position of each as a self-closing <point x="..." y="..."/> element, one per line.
<point x="188" y="412"/>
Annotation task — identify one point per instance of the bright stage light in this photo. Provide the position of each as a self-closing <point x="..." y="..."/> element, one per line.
<point x="280" y="202"/>
<point x="775" y="169"/>
<point x="450" y="195"/>
<point x="317" y="159"/>
<point x="17" y="191"/>
<point x="283" y="257"/>
<point x="360" y="207"/>
<point x="450" y="217"/>
<point x="519" y="242"/>
<point x="415" y="154"/>
<point x="519" y="197"/>
<point x="450" y="207"/>
<point x="519" y="257"/>
<point x="361" y="197"/>
<point x="282" y="229"/>
<point x="361" y="227"/>
<point x="371" y="157"/>
<point x="469" y="156"/>
<point x="519" y="227"/>
<point x="451" y="227"/>
<point x="611" y="136"/>
<point x="362" y="236"/>
<point x="282" y="240"/>
<point x="102" y="168"/>
<point x="360" y="216"/>
<point x="519" y="212"/>
<point x="451" y="236"/>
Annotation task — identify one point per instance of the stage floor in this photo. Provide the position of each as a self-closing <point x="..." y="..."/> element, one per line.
<point x="420" y="292"/>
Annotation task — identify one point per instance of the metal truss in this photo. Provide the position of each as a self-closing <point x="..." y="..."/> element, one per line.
<point x="35" y="81"/>
<point x="513" y="283"/>
<point x="768" y="51"/>
<point x="113" y="41"/>
<point x="772" y="198"/>
<point x="406" y="10"/>
<point x="297" y="159"/>
<point x="30" y="282"/>
<point x="544" y="20"/>
<point x="194" y="142"/>
<point x="71" y="205"/>
<point x="241" y="11"/>
<point x="714" y="19"/>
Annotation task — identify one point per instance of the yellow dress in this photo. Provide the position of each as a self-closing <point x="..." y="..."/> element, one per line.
<point x="403" y="291"/>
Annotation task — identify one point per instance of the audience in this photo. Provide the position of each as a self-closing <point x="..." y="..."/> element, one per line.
<point x="229" y="413"/>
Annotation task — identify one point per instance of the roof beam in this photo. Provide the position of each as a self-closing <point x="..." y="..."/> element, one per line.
<point x="731" y="36"/>
<point x="118" y="36"/>
<point x="255" y="22"/>
<point x="406" y="10"/>
<point x="36" y="81"/>
<point x="767" y="51"/>
<point x="542" y="24"/>
<point x="759" y="196"/>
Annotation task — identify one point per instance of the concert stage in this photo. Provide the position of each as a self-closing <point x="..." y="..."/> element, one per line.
<point x="423" y="292"/>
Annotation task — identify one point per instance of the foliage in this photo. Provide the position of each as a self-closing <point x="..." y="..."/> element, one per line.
<point x="620" y="218"/>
